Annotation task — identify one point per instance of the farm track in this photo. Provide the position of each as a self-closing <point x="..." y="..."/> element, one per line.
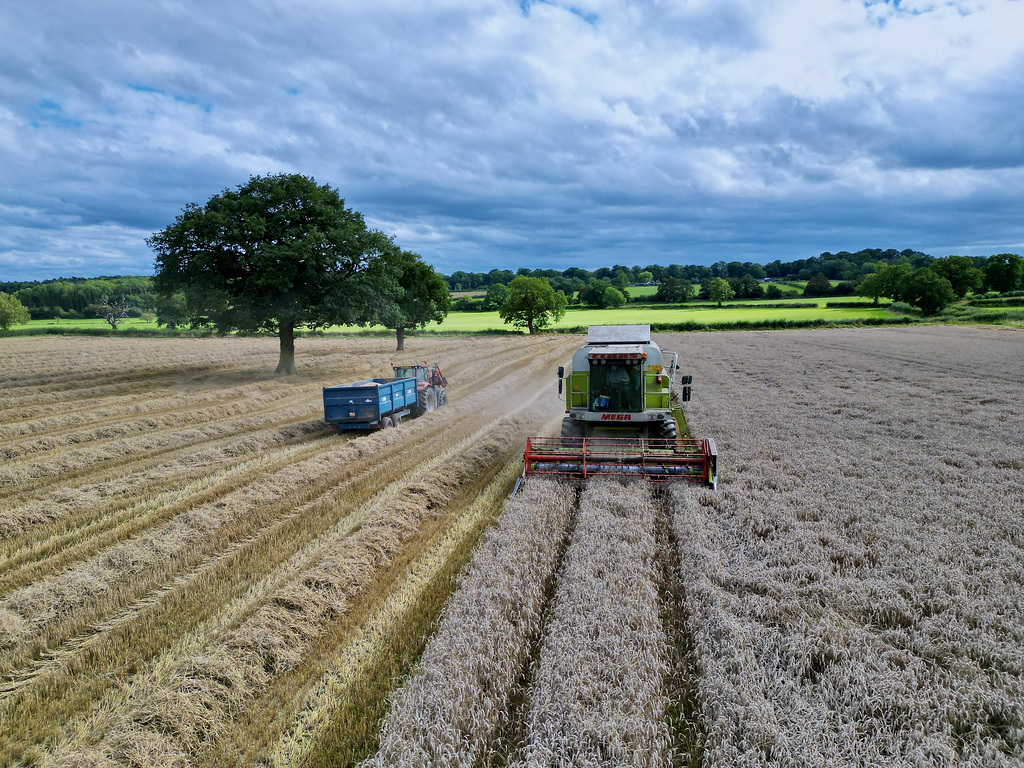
<point x="58" y="667"/>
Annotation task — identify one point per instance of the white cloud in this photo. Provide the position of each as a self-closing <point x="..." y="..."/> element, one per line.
<point x="480" y="134"/>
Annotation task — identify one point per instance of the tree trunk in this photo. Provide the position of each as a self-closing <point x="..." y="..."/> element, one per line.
<point x="400" y="334"/>
<point x="529" y="326"/>
<point x="286" y="363"/>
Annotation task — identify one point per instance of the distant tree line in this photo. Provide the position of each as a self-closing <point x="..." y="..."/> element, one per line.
<point x="843" y="266"/>
<point x="79" y="297"/>
<point x="935" y="284"/>
<point x="828" y="275"/>
<point x="908" y="276"/>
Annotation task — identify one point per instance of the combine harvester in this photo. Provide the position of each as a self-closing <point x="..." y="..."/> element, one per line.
<point x="624" y="415"/>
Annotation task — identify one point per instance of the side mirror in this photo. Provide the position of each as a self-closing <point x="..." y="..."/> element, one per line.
<point x="561" y="373"/>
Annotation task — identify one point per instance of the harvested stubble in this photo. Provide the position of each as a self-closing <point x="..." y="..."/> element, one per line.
<point x="449" y="710"/>
<point x="598" y="694"/>
<point x="73" y="509"/>
<point x="854" y="589"/>
<point x="186" y="711"/>
<point x="166" y="612"/>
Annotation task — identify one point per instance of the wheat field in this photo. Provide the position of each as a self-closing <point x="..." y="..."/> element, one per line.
<point x="851" y="595"/>
<point x="194" y="571"/>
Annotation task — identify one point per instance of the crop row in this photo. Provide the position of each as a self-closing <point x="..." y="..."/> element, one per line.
<point x="593" y="693"/>
<point x="450" y="710"/>
<point x="597" y="698"/>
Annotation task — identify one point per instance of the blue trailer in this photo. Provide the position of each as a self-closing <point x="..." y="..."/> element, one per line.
<point x="369" y="404"/>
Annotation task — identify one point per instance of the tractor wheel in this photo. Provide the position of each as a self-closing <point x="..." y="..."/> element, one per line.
<point x="442" y="397"/>
<point x="386" y="423"/>
<point x="426" y="401"/>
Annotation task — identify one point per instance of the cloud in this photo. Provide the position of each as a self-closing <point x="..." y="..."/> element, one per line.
<point x="491" y="133"/>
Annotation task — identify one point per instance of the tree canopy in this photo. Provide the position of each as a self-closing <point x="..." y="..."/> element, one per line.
<point x="674" y="290"/>
<point x="963" y="276"/>
<point x="719" y="290"/>
<point x="11" y="312"/>
<point x="423" y="296"/>
<point x="1004" y="272"/>
<point x="927" y="290"/>
<point x="532" y="304"/>
<point x="278" y="253"/>
<point x="819" y="285"/>
<point x="496" y="297"/>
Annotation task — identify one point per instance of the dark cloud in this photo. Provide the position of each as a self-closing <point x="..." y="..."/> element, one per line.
<point x="503" y="133"/>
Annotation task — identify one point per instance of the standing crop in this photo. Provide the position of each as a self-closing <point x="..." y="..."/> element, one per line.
<point x="598" y="696"/>
<point x="458" y="696"/>
<point x="853" y="591"/>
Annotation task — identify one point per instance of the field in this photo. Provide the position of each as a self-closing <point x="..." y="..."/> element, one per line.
<point x="474" y="322"/>
<point x="193" y="571"/>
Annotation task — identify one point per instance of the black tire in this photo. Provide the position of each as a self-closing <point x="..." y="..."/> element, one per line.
<point x="442" y="398"/>
<point x="386" y="423"/>
<point x="426" y="402"/>
<point x="396" y="420"/>
<point x="573" y="428"/>
<point x="665" y="434"/>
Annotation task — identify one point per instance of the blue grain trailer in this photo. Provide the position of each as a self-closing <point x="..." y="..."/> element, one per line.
<point x="369" y="404"/>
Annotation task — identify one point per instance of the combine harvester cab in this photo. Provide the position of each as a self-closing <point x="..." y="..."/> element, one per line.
<point x="624" y="415"/>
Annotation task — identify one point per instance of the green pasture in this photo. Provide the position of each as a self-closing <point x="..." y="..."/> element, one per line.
<point x="471" y="322"/>
<point x="580" y="318"/>
<point x="134" y="323"/>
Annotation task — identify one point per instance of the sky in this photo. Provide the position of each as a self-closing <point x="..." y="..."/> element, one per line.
<point x="520" y="133"/>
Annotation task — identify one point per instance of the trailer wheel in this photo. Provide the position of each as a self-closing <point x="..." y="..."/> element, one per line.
<point x="386" y="423"/>
<point x="396" y="420"/>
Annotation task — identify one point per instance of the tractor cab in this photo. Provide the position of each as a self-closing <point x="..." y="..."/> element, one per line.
<point x="425" y="375"/>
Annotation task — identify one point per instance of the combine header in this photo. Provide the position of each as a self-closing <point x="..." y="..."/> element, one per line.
<point x="624" y="415"/>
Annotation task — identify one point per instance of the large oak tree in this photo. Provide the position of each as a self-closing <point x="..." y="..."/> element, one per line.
<point x="278" y="253"/>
